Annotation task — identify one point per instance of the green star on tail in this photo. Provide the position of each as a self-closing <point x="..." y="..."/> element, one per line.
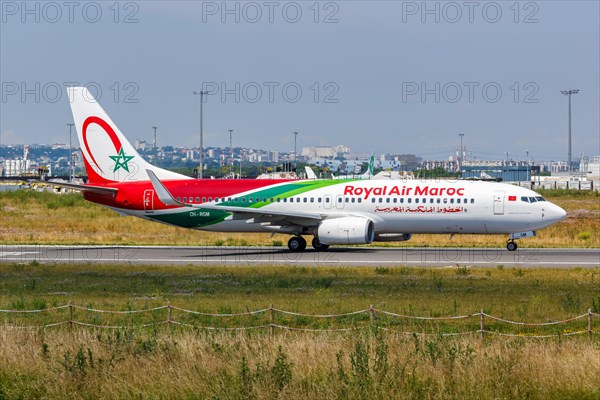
<point x="121" y="161"/>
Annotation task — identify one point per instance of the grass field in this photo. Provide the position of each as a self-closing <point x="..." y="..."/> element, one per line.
<point x="365" y="363"/>
<point x="45" y="218"/>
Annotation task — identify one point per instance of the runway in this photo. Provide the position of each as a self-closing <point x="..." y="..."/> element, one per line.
<point x="355" y="256"/>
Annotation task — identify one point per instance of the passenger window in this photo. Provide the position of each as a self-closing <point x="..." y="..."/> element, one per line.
<point x="339" y="199"/>
<point x="210" y="199"/>
<point x="197" y="199"/>
<point x="319" y="200"/>
<point x="285" y="199"/>
<point x="271" y="200"/>
<point x="472" y="201"/>
<point x="243" y="199"/>
<point x="203" y="199"/>
<point x="380" y="200"/>
<point x="445" y="201"/>
<point x="416" y="200"/>
<point x="305" y="200"/>
<point x="312" y="199"/>
<point x="373" y="200"/>
<point x="402" y="200"/>
<point x="409" y="200"/>
<point x="278" y="199"/>
<point x="387" y="200"/>
<point x="431" y="200"/>
<point x="438" y="201"/>
<point x="326" y="199"/>
<point x="395" y="200"/>
<point x="452" y="201"/>
<point x="465" y="201"/>
<point x="179" y="199"/>
<point x="359" y="200"/>
<point x="185" y="199"/>
<point x="347" y="200"/>
<point x="353" y="200"/>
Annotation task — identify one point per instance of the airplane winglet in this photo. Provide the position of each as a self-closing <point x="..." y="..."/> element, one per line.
<point x="161" y="191"/>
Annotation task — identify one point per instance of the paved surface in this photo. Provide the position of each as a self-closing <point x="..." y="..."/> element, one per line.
<point x="362" y="256"/>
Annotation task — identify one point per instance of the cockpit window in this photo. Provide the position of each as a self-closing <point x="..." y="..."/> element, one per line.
<point x="540" y="198"/>
<point x="525" y="199"/>
<point x="532" y="199"/>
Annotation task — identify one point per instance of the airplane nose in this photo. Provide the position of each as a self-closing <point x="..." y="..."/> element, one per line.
<point x="556" y="213"/>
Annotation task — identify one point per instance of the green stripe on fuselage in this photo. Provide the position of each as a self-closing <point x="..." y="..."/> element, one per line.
<point x="282" y="191"/>
<point x="191" y="217"/>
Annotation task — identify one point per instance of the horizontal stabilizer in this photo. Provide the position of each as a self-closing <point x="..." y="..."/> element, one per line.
<point x="83" y="188"/>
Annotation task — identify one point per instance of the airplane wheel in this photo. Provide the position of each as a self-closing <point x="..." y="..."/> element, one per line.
<point x="297" y="243"/>
<point x="511" y="246"/>
<point x="318" y="245"/>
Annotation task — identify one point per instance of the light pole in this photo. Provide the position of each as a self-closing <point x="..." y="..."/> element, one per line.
<point x="569" y="93"/>
<point x="460" y="158"/>
<point x="70" y="154"/>
<point x="154" y="144"/>
<point x="295" y="148"/>
<point x="231" y="151"/>
<point x="200" y="172"/>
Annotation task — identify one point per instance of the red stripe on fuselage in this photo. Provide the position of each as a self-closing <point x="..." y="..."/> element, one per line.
<point x="131" y="194"/>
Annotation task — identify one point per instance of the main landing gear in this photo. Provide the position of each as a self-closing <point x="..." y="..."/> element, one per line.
<point x="298" y="243"/>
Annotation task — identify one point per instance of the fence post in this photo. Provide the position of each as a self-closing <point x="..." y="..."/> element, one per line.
<point x="271" y="322"/>
<point x="482" y="324"/>
<point x="590" y="323"/>
<point x="372" y="314"/>
<point x="70" y="315"/>
<point x="169" y="314"/>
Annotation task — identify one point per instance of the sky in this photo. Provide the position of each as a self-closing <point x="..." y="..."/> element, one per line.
<point x="383" y="76"/>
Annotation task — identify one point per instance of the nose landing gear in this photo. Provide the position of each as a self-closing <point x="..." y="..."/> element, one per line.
<point x="511" y="245"/>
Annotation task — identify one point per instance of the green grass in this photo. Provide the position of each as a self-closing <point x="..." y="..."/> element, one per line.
<point x="514" y="293"/>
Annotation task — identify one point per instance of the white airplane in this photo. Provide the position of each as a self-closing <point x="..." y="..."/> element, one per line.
<point x="334" y="212"/>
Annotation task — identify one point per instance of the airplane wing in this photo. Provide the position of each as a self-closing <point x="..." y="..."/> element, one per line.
<point x="167" y="198"/>
<point x="83" y="188"/>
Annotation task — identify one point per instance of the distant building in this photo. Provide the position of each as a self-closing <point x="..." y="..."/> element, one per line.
<point x="325" y="152"/>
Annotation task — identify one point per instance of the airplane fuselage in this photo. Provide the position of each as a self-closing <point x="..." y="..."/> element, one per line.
<point x="394" y="206"/>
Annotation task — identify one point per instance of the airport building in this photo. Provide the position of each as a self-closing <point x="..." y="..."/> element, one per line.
<point x="499" y="170"/>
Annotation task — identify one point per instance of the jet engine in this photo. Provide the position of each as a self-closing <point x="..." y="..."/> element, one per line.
<point x="346" y="230"/>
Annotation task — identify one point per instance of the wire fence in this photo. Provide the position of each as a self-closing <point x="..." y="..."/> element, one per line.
<point x="374" y="316"/>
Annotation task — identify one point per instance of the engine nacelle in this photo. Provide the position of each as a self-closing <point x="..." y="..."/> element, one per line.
<point x="346" y="230"/>
<point x="392" y="237"/>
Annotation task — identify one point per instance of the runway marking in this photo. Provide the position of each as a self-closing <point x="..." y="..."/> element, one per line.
<point x="348" y="262"/>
